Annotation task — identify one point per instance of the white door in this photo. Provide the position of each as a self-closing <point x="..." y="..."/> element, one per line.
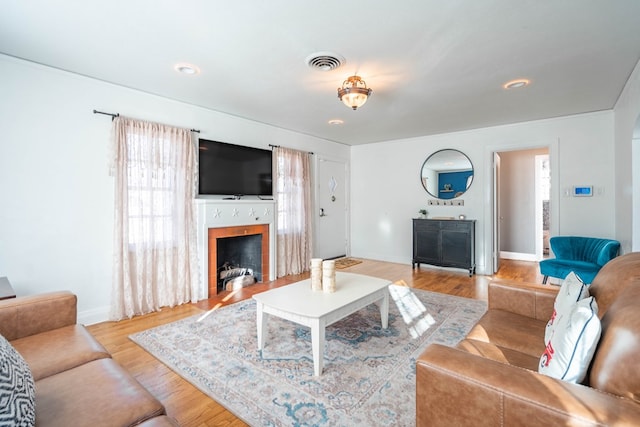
<point x="332" y="209"/>
<point x="497" y="219"/>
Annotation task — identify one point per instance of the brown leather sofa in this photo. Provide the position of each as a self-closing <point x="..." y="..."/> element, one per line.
<point x="77" y="383"/>
<point x="491" y="378"/>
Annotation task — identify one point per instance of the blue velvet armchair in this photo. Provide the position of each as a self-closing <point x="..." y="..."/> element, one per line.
<point x="583" y="255"/>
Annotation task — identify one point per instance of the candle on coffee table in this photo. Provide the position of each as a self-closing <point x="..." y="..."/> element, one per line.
<point x="329" y="276"/>
<point x="316" y="274"/>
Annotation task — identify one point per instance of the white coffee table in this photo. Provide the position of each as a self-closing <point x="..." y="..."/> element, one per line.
<point x="317" y="309"/>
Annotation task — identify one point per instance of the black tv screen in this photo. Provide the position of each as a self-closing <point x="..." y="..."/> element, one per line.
<point x="234" y="170"/>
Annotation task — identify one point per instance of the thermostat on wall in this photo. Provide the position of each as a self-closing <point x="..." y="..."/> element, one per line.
<point x="583" y="191"/>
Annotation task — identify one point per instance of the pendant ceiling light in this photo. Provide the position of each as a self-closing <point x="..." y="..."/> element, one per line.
<point x="354" y="92"/>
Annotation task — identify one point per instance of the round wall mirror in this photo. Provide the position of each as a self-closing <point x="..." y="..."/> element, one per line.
<point x="446" y="174"/>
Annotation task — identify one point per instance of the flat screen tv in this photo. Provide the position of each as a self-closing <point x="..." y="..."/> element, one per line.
<point x="234" y="170"/>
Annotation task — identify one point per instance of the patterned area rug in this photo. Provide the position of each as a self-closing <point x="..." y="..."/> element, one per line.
<point x="369" y="372"/>
<point x="346" y="262"/>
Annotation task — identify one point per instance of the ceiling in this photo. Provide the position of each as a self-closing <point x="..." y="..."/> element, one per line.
<point x="434" y="66"/>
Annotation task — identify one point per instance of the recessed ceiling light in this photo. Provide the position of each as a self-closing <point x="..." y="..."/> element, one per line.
<point x="187" y="69"/>
<point x="515" y="84"/>
<point x="336" y="122"/>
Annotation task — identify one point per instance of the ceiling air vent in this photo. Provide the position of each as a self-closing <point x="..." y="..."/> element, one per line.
<point x="324" y="61"/>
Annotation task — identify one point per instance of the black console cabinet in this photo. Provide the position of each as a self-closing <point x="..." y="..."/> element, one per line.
<point x="447" y="243"/>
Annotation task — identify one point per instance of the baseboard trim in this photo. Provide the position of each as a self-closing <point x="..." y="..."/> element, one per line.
<point x="518" y="256"/>
<point x="93" y="316"/>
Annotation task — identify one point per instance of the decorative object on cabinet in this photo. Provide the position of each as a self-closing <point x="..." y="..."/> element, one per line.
<point x="446" y="243"/>
<point x="423" y="213"/>
<point x="446" y="174"/>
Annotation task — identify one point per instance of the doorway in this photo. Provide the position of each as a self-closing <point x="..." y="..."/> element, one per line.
<point x="518" y="202"/>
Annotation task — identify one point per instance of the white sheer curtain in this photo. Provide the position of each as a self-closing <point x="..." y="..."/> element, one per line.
<point x="293" y="197"/>
<point x="155" y="249"/>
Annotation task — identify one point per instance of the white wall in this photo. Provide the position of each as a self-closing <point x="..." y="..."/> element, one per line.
<point x="56" y="217"/>
<point x="386" y="189"/>
<point x="627" y="113"/>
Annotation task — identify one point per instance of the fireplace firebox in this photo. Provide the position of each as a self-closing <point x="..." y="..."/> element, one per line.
<point x="239" y="261"/>
<point x="238" y="256"/>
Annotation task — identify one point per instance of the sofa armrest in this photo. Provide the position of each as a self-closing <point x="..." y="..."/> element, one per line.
<point x="455" y="388"/>
<point x="527" y="299"/>
<point x="29" y="315"/>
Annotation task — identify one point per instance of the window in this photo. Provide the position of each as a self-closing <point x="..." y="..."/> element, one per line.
<point x="150" y="195"/>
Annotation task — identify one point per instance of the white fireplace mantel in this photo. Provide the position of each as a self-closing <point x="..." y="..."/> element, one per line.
<point x="216" y="213"/>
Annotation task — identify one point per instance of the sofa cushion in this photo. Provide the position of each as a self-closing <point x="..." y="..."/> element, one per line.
<point x="526" y="299"/>
<point x="491" y="351"/>
<point x="97" y="394"/>
<point x="571" y="291"/>
<point x="573" y="343"/>
<point x="17" y="390"/>
<point x="511" y="331"/>
<point x="51" y="352"/>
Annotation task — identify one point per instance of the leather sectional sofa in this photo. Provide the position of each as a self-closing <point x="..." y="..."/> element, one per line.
<point x="77" y="383"/>
<point x="491" y="378"/>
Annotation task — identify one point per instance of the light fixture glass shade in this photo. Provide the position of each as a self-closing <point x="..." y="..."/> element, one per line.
<point x="354" y="92"/>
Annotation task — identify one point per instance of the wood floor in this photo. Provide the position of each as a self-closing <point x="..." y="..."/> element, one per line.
<point x="191" y="408"/>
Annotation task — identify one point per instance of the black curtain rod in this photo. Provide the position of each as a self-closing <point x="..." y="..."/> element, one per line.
<point x="113" y="116"/>
<point x="277" y="146"/>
